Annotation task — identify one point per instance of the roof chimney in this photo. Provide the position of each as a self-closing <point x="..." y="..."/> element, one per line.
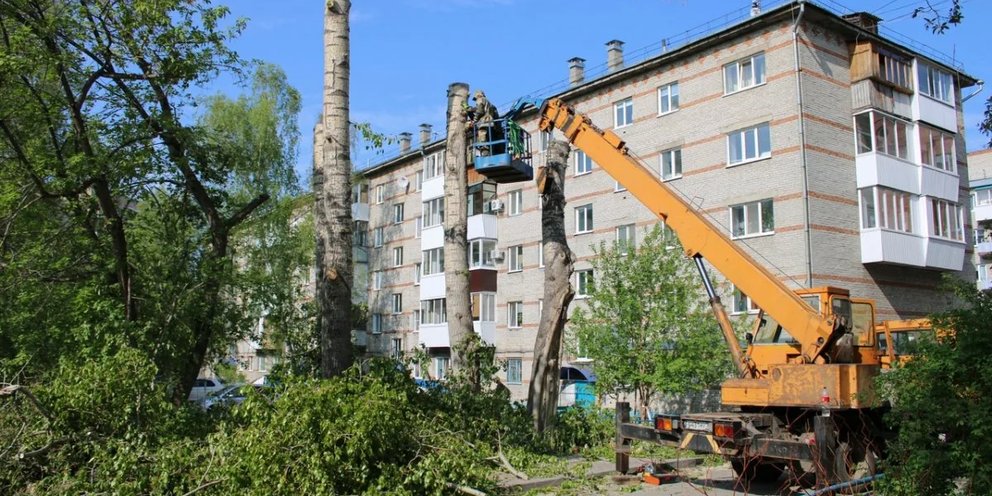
<point x="576" y="70"/>
<point x="405" y="142"/>
<point x="614" y="55"/>
<point x="755" y="8"/>
<point x="864" y="20"/>
<point x="425" y="134"/>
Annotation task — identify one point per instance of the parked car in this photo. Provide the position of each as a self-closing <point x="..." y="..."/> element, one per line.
<point x="203" y="387"/>
<point x="232" y="395"/>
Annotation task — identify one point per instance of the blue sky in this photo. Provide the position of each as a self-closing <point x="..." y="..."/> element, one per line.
<point x="405" y="53"/>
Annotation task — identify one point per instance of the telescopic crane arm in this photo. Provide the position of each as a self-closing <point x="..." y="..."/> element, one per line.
<point x="699" y="237"/>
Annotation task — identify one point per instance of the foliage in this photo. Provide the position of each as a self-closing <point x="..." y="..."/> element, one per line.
<point x="941" y="405"/>
<point x="645" y="325"/>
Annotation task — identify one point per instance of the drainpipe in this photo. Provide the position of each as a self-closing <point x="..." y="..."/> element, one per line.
<point x="981" y="86"/>
<point x="802" y="144"/>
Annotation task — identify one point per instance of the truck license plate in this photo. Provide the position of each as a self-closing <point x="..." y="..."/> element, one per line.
<point x="696" y="425"/>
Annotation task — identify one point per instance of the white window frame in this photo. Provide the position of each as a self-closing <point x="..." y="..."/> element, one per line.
<point x="584" y="279"/>
<point x="433" y="261"/>
<point x="419" y="226"/>
<point x="380" y="194"/>
<point x="750" y="137"/>
<point x="888" y="209"/>
<point x="540" y="255"/>
<point x="514" y="314"/>
<point x="434" y="311"/>
<point x="515" y="258"/>
<point x="626" y="238"/>
<point x="935" y="83"/>
<point x="752" y="67"/>
<point x="433" y="165"/>
<point x="748" y="212"/>
<point x="881" y="128"/>
<point x="668" y="96"/>
<point x="433" y="212"/>
<point x="937" y="148"/>
<point x="398" y="256"/>
<point x="415" y="319"/>
<point x="515" y="202"/>
<point x="617" y="187"/>
<point x="480" y="253"/>
<point x="375" y="323"/>
<point x="623" y="113"/>
<point x="417" y="273"/>
<point x="418" y="180"/>
<point x="514" y="371"/>
<point x="397" y="303"/>
<point x="378" y="236"/>
<point x="737" y="297"/>
<point x="376" y="280"/>
<point x="946" y="219"/>
<point x="441" y="365"/>
<point x="583" y="164"/>
<point x="673" y="168"/>
<point x="487" y="307"/>
<point x="398" y="213"/>
<point x="585" y="214"/>
<point x="396" y="348"/>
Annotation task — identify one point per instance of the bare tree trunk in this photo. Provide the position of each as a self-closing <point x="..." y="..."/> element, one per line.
<point x="542" y="396"/>
<point x="459" y="302"/>
<point x="332" y="198"/>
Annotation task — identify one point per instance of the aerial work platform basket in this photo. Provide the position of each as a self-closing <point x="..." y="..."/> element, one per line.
<point x="502" y="151"/>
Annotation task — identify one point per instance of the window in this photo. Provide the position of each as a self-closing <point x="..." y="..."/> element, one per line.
<point x="516" y="262"/>
<point x="881" y="133"/>
<point x="744" y="73"/>
<point x="981" y="197"/>
<point x="396" y="348"/>
<point x="937" y="148"/>
<point x="397" y="256"/>
<point x="415" y="320"/>
<point x="749" y="144"/>
<point x="360" y="193"/>
<point x="617" y="187"/>
<point x="750" y="219"/>
<point x="377" y="280"/>
<point x="418" y="180"/>
<point x="540" y="253"/>
<point x="361" y="233"/>
<point x="583" y="219"/>
<point x="514" y="371"/>
<point x="440" y="367"/>
<point x="480" y="197"/>
<point x="741" y="303"/>
<point x="671" y="164"/>
<point x="583" y="284"/>
<point x="420" y="226"/>
<point x="545" y="140"/>
<point x="432" y="166"/>
<point x="515" y="314"/>
<point x="433" y="311"/>
<point x="935" y="83"/>
<point x="945" y="220"/>
<point x="433" y="261"/>
<point x="583" y="164"/>
<point x="416" y="274"/>
<point x="668" y="98"/>
<point x="380" y="193"/>
<point x="397" y="303"/>
<point x="377" y="237"/>
<point x="894" y="69"/>
<point x="397" y="213"/>
<point x="480" y="253"/>
<point x="376" y="323"/>
<point x="886" y="208"/>
<point x="484" y="307"/>
<point x="626" y="238"/>
<point x="623" y="113"/>
<point x="516" y="201"/>
<point x="434" y="212"/>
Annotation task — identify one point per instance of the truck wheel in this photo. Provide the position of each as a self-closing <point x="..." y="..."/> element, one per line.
<point x="756" y="470"/>
<point x="854" y="461"/>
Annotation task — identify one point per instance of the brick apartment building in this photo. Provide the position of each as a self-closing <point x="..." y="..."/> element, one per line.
<point x="835" y="155"/>
<point x="980" y="183"/>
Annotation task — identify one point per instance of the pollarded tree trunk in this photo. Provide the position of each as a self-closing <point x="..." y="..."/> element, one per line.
<point x="542" y="396"/>
<point x="332" y="198"/>
<point x="459" y="302"/>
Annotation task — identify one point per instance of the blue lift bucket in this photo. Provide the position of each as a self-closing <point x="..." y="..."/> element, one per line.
<point x="502" y="151"/>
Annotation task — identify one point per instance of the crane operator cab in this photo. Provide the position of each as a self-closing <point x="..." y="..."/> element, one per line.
<point x="502" y="151"/>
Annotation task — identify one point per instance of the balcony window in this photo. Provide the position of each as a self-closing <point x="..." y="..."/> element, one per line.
<point x="484" y="307"/>
<point x="433" y="311"/>
<point x="981" y="197"/>
<point x="887" y="208"/>
<point x="361" y="232"/>
<point x="936" y="148"/>
<point x="480" y="197"/>
<point x="881" y="133"/>
<point x="945" y="220"/>
<point x="434" y="212"/>
<point x="360" y="193"/>
<point x="433" y="262"/>
<point x="743" y="74"/>
<point x="433" y="165"/>
<point x="480" y="253"/>
<point x="935" y="83"/>
<point x="745" y="145"/>
<point x="895" y="70"/>
<point x="752" y="219"/>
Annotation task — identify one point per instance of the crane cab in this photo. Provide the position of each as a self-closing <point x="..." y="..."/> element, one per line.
<point x="502" y="151"/>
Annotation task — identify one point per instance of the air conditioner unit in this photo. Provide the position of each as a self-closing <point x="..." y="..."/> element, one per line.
<point x="496" y="205"/>
<point x="497" y="255"/>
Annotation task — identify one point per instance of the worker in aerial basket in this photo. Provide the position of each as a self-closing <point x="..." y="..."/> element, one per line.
<point x="483" y="113"/>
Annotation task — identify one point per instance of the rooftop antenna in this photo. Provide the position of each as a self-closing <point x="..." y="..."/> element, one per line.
<point x="755" y="7"/>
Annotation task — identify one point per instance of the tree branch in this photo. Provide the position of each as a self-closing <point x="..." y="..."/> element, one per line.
<point x="246" y="210"/>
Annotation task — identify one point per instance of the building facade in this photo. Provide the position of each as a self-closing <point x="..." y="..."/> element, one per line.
<point x="980" y="183"/>
<point x="833" y="155"/>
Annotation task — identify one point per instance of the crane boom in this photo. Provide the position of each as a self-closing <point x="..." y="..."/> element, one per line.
<point x="699" y="236"/>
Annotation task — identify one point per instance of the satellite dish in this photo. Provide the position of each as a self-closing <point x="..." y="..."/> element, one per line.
<point x="404" y="182"/>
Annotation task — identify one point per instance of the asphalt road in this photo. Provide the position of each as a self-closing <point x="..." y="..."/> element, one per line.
<point x="710" y="481"/>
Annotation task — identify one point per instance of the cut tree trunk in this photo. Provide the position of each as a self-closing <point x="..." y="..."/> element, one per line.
<point x="461" y="331"/>
<point x="542" y="396"/>
<point x="332" y="198"/>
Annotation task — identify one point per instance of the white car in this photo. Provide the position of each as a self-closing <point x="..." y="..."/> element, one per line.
<point x="203" y="387"/>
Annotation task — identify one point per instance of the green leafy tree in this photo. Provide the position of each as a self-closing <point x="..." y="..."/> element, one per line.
<point x="941" y="404"/>
<point x="646" y="325"/>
